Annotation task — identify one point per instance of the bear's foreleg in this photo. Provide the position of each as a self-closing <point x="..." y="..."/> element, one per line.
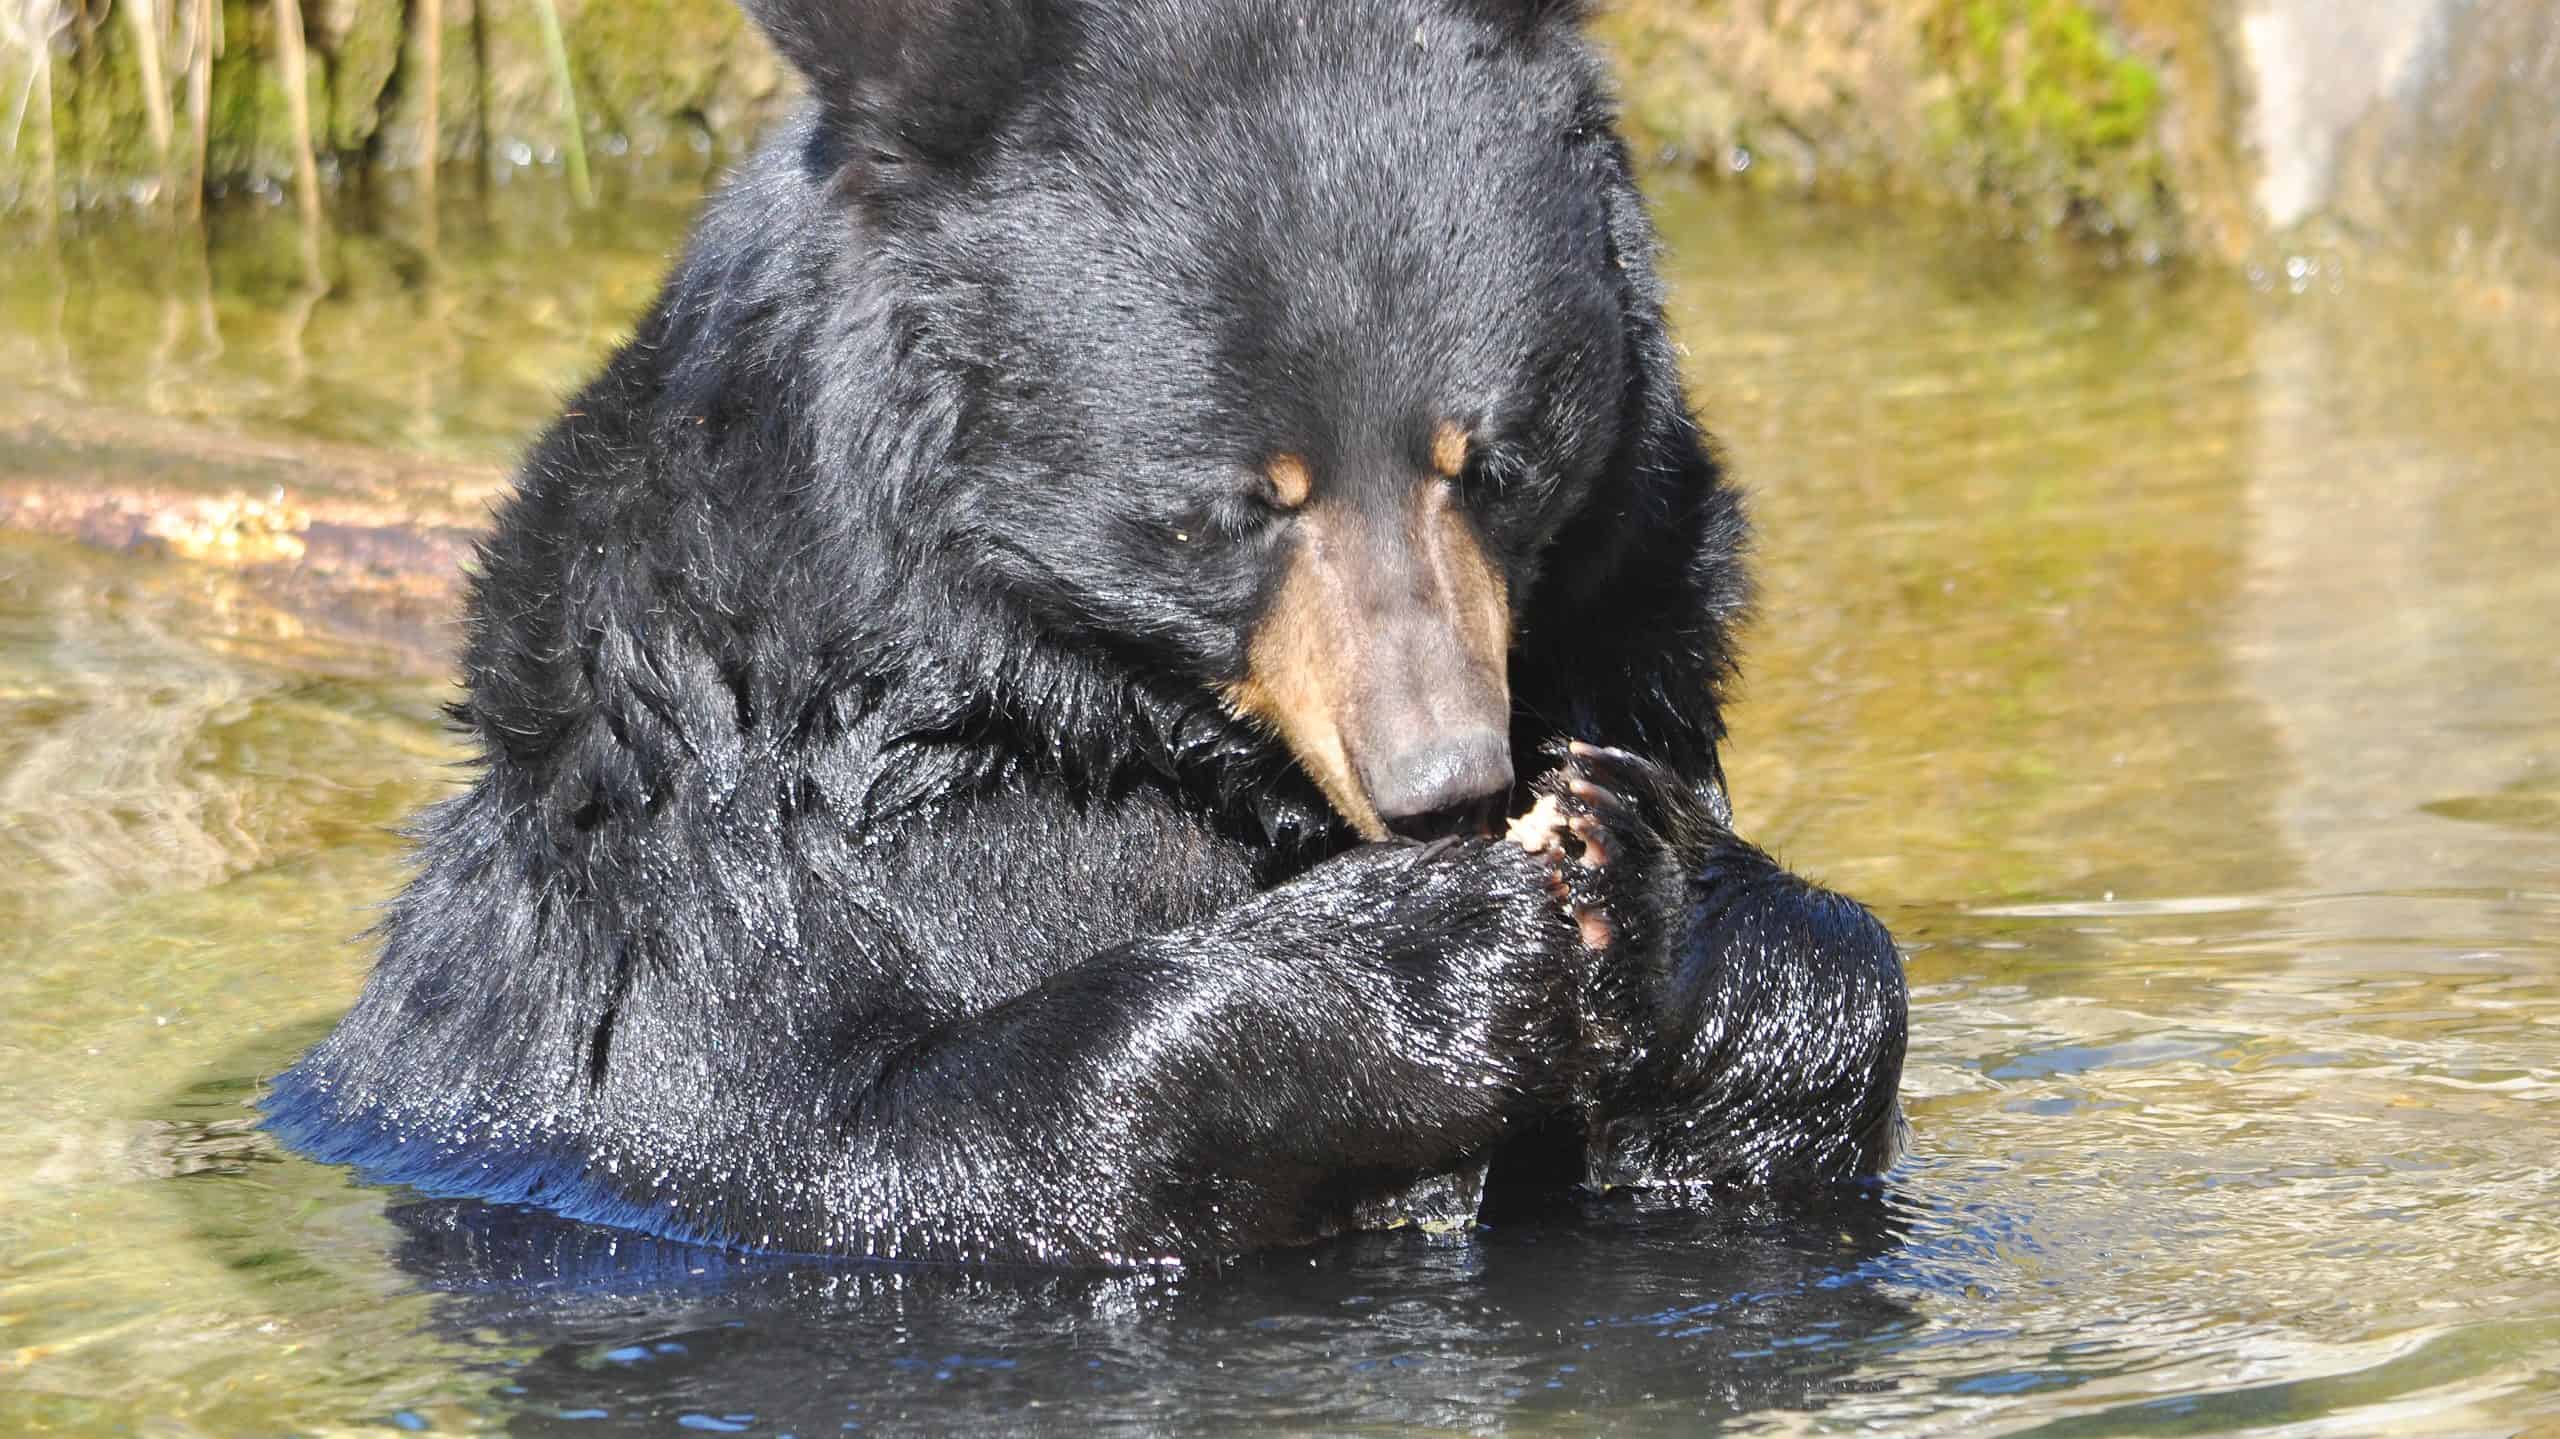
<point x="1271" y="1075"/>
<point x="1770" y="1050"/>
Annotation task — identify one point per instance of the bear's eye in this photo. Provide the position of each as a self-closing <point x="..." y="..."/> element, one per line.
<point x="1497" y="476"/>
<point x="1248" y="508"/>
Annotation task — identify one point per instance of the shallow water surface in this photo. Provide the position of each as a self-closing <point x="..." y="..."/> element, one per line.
<point x="2170" y="663"/>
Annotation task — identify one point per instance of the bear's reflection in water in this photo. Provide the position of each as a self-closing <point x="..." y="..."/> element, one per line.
<point x="1646" y="1315"/>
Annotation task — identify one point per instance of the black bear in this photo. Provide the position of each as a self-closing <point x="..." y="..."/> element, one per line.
<point x="996" y="709"/>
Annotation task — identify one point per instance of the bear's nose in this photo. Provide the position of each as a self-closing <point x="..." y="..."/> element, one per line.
<point x="1448" y="784"/>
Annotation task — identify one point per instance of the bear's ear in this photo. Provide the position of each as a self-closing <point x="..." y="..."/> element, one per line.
<point x="907" y="80"/>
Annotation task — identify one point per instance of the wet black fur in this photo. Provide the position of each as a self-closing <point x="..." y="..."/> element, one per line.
<point x="861" y="861"/>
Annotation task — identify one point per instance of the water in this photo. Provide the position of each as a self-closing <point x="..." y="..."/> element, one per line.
<point x="2170" y="661"/>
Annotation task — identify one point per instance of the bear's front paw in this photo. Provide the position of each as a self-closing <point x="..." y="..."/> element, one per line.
<point x="1622" y="882"/>
<point x="1693" y="820"/>
<point x="1606" y="860"/>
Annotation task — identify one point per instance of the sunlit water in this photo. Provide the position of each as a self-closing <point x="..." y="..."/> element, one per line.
<point x="2171" y="663"/>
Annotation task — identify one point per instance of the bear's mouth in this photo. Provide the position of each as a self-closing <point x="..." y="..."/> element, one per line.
<point x="1475" y="819"/>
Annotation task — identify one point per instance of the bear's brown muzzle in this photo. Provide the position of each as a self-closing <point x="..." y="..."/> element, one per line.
<point x="1382" y="663"/>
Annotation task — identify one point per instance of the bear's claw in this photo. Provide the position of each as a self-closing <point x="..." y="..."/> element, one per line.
<point x="1585" y="830"/>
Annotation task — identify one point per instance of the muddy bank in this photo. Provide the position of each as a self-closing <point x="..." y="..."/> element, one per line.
<point x="2258" y="131"/>
<point x="2282" y="134"/>
<point x="2118" y="122"/>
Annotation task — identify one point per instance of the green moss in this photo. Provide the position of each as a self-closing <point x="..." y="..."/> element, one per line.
<point x="652" y="69"/>
<point x="250" y="132"/>
<point x="2045" y="73"/>
<point x="359" y="64"/>
<point x="2048" y="111"/>
<point x="100" y="137"/>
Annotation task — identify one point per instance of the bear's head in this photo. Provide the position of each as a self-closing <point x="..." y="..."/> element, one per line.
<point x="1288" y="335"/>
